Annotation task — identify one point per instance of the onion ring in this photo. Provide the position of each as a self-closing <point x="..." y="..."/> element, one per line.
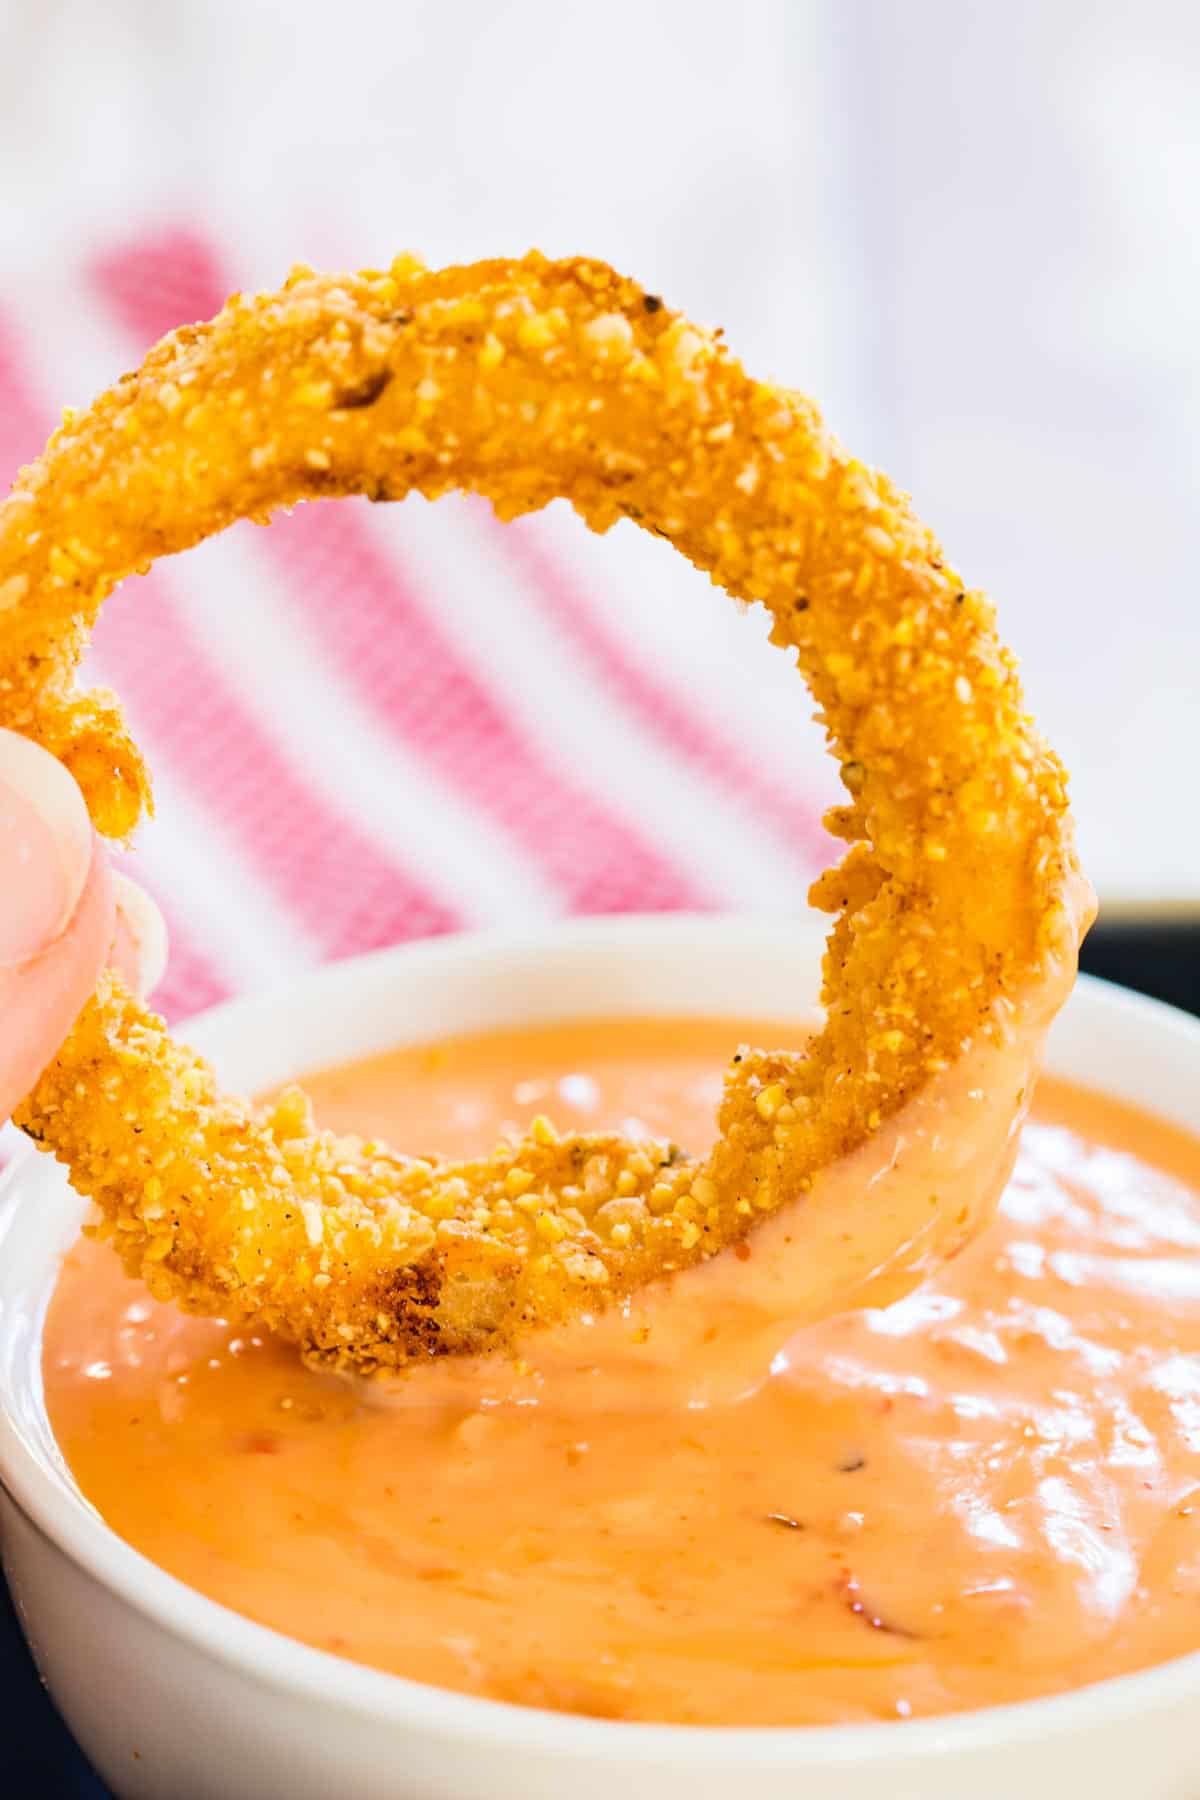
<point x="526" y="381"/>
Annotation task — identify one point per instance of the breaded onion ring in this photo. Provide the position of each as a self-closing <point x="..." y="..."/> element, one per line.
<point x="524" y="381"/>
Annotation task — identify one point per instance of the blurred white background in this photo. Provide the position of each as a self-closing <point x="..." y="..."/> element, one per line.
<point x="972" y="231"/>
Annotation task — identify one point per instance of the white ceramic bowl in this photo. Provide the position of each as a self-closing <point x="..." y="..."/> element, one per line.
<point x="171" y="1695"/>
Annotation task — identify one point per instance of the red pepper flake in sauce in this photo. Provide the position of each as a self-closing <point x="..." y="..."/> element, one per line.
<point x="865" y="1610"/>
<point x="260" y="1443"/>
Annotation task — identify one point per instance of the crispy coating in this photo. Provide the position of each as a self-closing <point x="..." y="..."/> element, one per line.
<point x="526" y="381"/>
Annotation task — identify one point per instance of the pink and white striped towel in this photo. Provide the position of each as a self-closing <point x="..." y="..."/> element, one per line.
<point x="375" y="724"/>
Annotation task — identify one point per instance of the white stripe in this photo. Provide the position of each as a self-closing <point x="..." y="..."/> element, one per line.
<point x="68" y="364"/>
<point x="566" y="711"/>
<point x="234" y="595"/>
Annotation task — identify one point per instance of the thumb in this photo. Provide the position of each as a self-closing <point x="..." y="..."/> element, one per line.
<point x="62" y="915"/>
<point x="56" y="912"/>
<point x="46" y="849"/>
<point x="139" y="947"/>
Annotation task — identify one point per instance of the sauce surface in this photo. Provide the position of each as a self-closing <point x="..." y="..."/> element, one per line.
<point x="986" y="1492"/>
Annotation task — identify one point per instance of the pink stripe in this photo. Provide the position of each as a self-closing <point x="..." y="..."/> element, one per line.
<point x="191" y="982"/>
<point x="657" y="707"/>
<point x="357" y="599"/>
<point x="324" y="871"/>
<point x="166" y="277"/>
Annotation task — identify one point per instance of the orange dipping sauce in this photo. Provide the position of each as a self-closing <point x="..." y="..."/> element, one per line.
<point x="987" y="1492"/>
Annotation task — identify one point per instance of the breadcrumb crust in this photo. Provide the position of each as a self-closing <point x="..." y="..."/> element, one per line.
<point x="525" y="381"/>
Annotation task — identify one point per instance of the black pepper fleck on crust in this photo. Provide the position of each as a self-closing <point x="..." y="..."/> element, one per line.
<point x="364" y="393"/>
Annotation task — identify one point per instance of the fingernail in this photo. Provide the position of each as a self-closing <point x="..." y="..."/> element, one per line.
<point x="45" y="848"/>
<point x="140" y="944"/>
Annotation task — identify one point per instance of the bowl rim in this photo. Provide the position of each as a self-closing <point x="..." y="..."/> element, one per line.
<point x="53" y="1508"/>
